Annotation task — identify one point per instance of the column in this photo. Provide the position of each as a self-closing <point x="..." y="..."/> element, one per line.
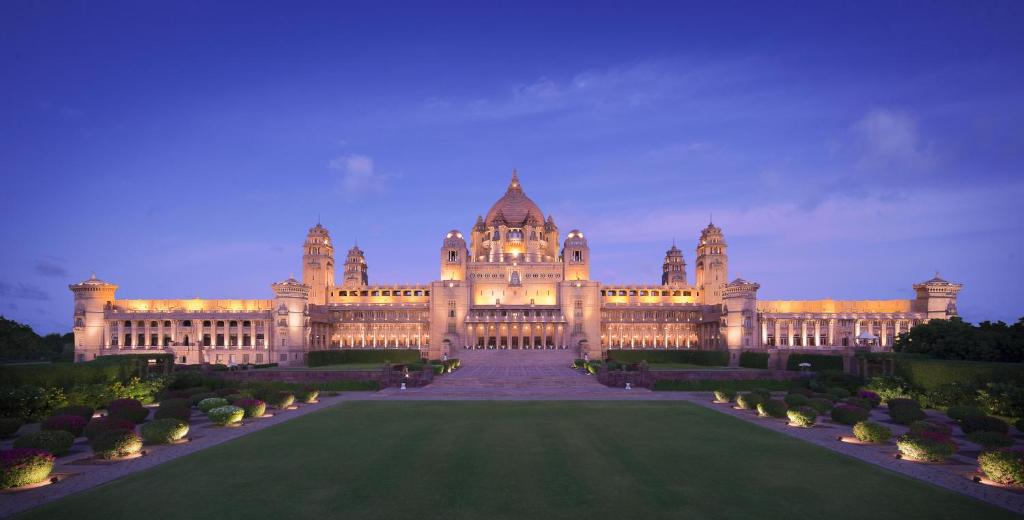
<point x="896" y="328"/>
<point x="803" y="333"/>
<point x="106" y="334"/>
<point x="778" y="332"/>
<point x="252" y="333"/>
<point x="145" y="333"/>
<point x="856" y="329"/>
<point x="817" y="333"/>
<point x="882" y="337"/>
<point x="764" y="332"/>
<point x="831" y="331"/>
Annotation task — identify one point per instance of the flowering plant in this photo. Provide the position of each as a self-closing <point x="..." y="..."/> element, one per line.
<point x="24" y="466"/>
<point x="72" y="424"/>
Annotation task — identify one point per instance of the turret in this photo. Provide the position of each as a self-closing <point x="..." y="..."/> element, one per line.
<point x="673" y="271"/>
<point x="453" y="256"/>
<point x="91" y="298"/>
<point x="318" y="264"/>
<point x="937" y="298"/>
<point x="739" y="306"/>
<point x="356" y="270"/>
<point x="576" y="257"/>
<point x="712" y="265"/>
<point x="291" y="321"/>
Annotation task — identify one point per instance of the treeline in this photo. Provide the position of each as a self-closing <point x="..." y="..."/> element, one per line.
<point x="18" y="342"/>
<point x="958" y="339"/>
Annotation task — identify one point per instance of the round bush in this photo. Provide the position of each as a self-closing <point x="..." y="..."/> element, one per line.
<point x="849" y="414"/>
<point x="796" y="400"/>
<point x="990" y="440"/>
<point x="176" y="403"/>
<point x="135" y="414"/>
<point x="282" y="400"/>
<point x="85" y="412"/>
<point x="867" y="431"/>
<point x="72" y="424"/>
<point x="212" y="402"/>
<point x="906" y="414"/>
<point x="928" y="425"/>
<point x="772" y="408"/>
<point x="1003" y="466"/>
<point x="252" y="407"/>
<point x="926" y="446"/>
<point x="763" y="392"/>
<point x="984" y="423"/>
<point x="224" y="392"/>
<point x="195" y="390"/>
<point x="116" y="443"/>
<point x="802" y="416"/>
<point x="959" y="413"/>
<point x="24" y="466"/>
<point x="307" y="395"/>
<point x="57" y="442"/>
<point x="9" y="426"/>
<point x="748" y="401"/>
<point x="225" y="415"/>
<point x="838" y="393"/>
<point x="163" y="431"/>
<point x="858" y="402"/>
<point x="237" y="397"/>
<point x="199" y="397"/>
<point x="123" y="403"/>
<point x="902" y="401"/>
<point x="179" y="413"/>
<point x="101" y="425"/>
<point x="870" y="397"/>
<point x="724" y="396"/>
<point x="823" y="406"/>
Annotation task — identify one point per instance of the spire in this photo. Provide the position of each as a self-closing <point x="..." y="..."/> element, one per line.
<point x="514" y="185"/>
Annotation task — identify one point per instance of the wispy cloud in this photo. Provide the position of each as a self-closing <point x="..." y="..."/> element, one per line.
<point x="359" y="174"/>
<point x="890" y="139"/>
<point x="22" y="291"/>
<point x="49" y="266"/>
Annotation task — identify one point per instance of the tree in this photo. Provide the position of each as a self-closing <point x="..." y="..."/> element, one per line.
<point x="957" y="339"/>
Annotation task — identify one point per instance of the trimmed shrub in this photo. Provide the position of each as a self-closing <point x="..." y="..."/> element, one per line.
<point x="225" y="415"/>
<point x="906" y="414"/>
<point x="118" y="403"/>
<point x="1006" y="399"/>
<point x="990" y="440"/>
<point x="1003" y="466"/>
<point x="308" y="395"/>
<point x="796" y="400"/>
<point x="959" y="413"/>
<point x="57" y="442"/>
<point x="902" y="401"/>
<point x="692" y="357"/>
<point x="858" y="402"/>
<point x="101" y="425"/>
<point x="867" y="431"/>
<point x="926" y="446"/>
<point x="754" y="359"/>
<point x="823" y="406"/>
<point x="163" y="431"/>
<point x="838" y="393"/>
<point x="85" y="412"/>
<point x="72" y="424"/>
<point x="199" y="397"/>
<point x="176" y="403"/>
<point x="282" y="400"/>
<point x="319" y="358"/>
<point x="24" y="466"/>
<point x="748" y="401"/>
<point x="224" y="392"/>
<point x="802" y="416"/>
<point x="849" y="414"/>
<point x="818" y="362"/>
<point x="212" y="402"/>
<point x="763" y="392"/>
<point x="928" y="374"/>
<point x="984" y="423"/>
<point x="772" y="408"/>
<point x="870" y="397"/>
<point x="724" y="396"/>
<point x="252" y="407"/>
<point x="116" y="443"/>
<point x="196" y="390"/>
<point x="930" y="426"/>
<point x="29" y="403"/>
<point x="578" y="363"/>
<point x="183" y="413"/>
<point x="806" y="392"/>
<point x="9" y="426"/>
<point x="135" y="414"/>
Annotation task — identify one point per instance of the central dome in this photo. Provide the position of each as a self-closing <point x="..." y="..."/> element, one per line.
<point x="515" y="208"/>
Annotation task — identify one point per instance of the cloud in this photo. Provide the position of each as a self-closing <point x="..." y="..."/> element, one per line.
<point x="48" y="266"/>
<point x="358" y="174"/>
<point x="23" y="291"/>
<point x="890" y="138"/>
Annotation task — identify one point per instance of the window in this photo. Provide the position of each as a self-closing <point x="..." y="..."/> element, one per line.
<point x="453" y="256"/>
<point x="577" y="256"/>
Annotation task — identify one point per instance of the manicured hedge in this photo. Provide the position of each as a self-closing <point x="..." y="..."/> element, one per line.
<point x="1003" y="466"/>
<point x="135" y="414"/>
<point x="906" y="414"/>
<point x="100" y="425"/>
<point x="116" y="443"/>
<point x="163" y="431"/>
<point x="24" y="466"/>
<point x="724" y="396"/>
<point x="748" y="401"/>
<point x="867" y="431"/>
<point x="212" y="402"/>
<point x="802" y="416"/>
<point x="308" y="395"/>
<point x="818" y="362"/>
<point x="822" y="405"/>
<point x="181" y="413"/>
<point x="281" y="400"/>
<point x="754" y="359"/>
<point x="252" y="407"/>
<point x="72" y="424"/>
<point x="319" y="358"/>
<point x="928" y="447"/>
<point x="849" y="414"/>
<point x="772" y="408"/>
<point x="85" y="412"/>
<point x="930" y="426"/>
<point x="736" y="385"/>
<point x="990" y="440"/>
<point x="929" y="374"/>
<point x="225" y="415"/>
<point x="984" y="423"/>
<point x="693" y="357"/>
<point x="57" y="442"/>
<point x="796" y="400"/>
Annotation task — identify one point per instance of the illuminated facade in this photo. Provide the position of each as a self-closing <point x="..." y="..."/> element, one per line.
<point x="515" y="285"/>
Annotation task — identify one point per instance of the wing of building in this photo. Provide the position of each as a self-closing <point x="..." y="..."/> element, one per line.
<point x="514" y="285"/>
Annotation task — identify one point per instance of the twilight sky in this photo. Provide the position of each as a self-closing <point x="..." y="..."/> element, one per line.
<point x="183" y="149"/>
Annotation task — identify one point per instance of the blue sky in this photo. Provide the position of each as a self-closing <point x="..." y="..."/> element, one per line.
<point x="183" y="149"/>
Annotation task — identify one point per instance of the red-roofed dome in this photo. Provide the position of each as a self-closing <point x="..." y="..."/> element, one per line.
<point x="515" y="208"/>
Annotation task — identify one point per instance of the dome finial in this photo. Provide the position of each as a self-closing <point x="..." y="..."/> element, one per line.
<point x="513" y="185"/>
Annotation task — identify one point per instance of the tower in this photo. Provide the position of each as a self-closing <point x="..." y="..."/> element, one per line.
<point x="712" y="265"/>
<point x="356" y="270"/>
<point x="937" y="298"/>
<point x="453" y="256"/>
<point x="291" y="321"/>
<point x="318" y="264"/>
<point x="576" y="257"/>
<point x="673" y="271"/>
<point x="91" y="298"/>
<point x="739" y="306"/>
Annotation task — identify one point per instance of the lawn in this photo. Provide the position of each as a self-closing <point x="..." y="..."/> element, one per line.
<point x="341" y="366"/>
<point x="537" y="460"/>
<point x="686" y="366"/>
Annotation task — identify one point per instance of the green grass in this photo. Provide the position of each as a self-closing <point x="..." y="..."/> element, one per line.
<point x="736" y="385"/>
<point x="536" y="460"/>
<point x="686" y="366"/>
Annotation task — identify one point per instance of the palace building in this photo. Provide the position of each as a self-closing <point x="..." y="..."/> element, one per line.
<point x="510" y="283"/>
